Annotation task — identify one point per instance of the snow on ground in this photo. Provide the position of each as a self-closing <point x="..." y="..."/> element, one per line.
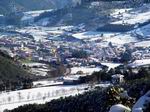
<point x="34" y="64"/>
<point x="61" y="28"/>
<point x="37" y="32"/>
<point x="111" y="65"/>
<point x="32" y="14"/>
<point x="14" y="99"/>
<point x="125" y="16"/>
<point x="144" y="31"/>
<point x="134" y="16"/>
<point x="46" y="83"/>
<point x="1" y="15"/>
<point x="39" y="69"/>
<point x="104" y="85"/>
<point x="142" y="44"/>
<point x="138" y="63"/>
<point x="11" y="100"/>
<point x="102" y="44"/>
<point x="114" y="38"/>
<point x="121" y="39"/>
<point x="72" y="77"/>
<point x="41" y="33"/>
<point x="87" y="35"/>
<point x="117" y="12"/>
<point x="56" y="32"/>
<point x="85" y="70"/>
<point x="43" y="22"/>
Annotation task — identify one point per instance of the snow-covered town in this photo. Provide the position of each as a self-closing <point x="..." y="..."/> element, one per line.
<point x="63" y="57"/>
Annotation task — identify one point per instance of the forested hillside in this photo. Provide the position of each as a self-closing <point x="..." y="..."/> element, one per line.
<point x="11" y="75"/>
<point x="7" y="6"/>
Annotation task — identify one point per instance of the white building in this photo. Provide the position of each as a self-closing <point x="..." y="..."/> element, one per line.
<point x="117" y="79"/>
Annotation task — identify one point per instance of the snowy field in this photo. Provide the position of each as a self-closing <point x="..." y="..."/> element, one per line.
<point x="118" y="12"/>
<point x="11" y="100"/>
<point x="121" y="39"/>
<point x="87" y="35"/>
<point x="138" y="63"/>
<point x="39" y="69"/>
<point x="85" y="70"/>
<point x="46" y="83"/>
<point x="114" y="38"/>
<point x="111" y="65"/>
<point x="34" y="64"/>
<point x="14" y="99"/>
<point x="41" y="33"/>
<point x="36" y="32"/>
<point x="134" y="16"/>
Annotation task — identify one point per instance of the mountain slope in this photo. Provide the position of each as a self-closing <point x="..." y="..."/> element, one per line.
<point x="7" y="6"/>
<point x="11" y="75"/>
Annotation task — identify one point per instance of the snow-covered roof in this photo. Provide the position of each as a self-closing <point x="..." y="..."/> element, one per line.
<point x="72" y="77"/>
<point x="117" y="76"/>
<point x="119" y="108"/>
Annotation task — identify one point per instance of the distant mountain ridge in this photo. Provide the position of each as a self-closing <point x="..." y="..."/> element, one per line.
<point x="7" y="6"/>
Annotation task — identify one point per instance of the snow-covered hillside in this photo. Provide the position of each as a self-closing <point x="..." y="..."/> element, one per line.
<point x="115" y="38"/>
<point x="133" y="16"/>
<point x="144" y="31"/>
<point x="30" y="15"/>
<point x="57" y="4"/>
<point x="138" y="63"/>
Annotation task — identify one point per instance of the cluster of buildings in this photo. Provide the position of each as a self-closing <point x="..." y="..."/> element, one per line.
<point x="58" y="44"/>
